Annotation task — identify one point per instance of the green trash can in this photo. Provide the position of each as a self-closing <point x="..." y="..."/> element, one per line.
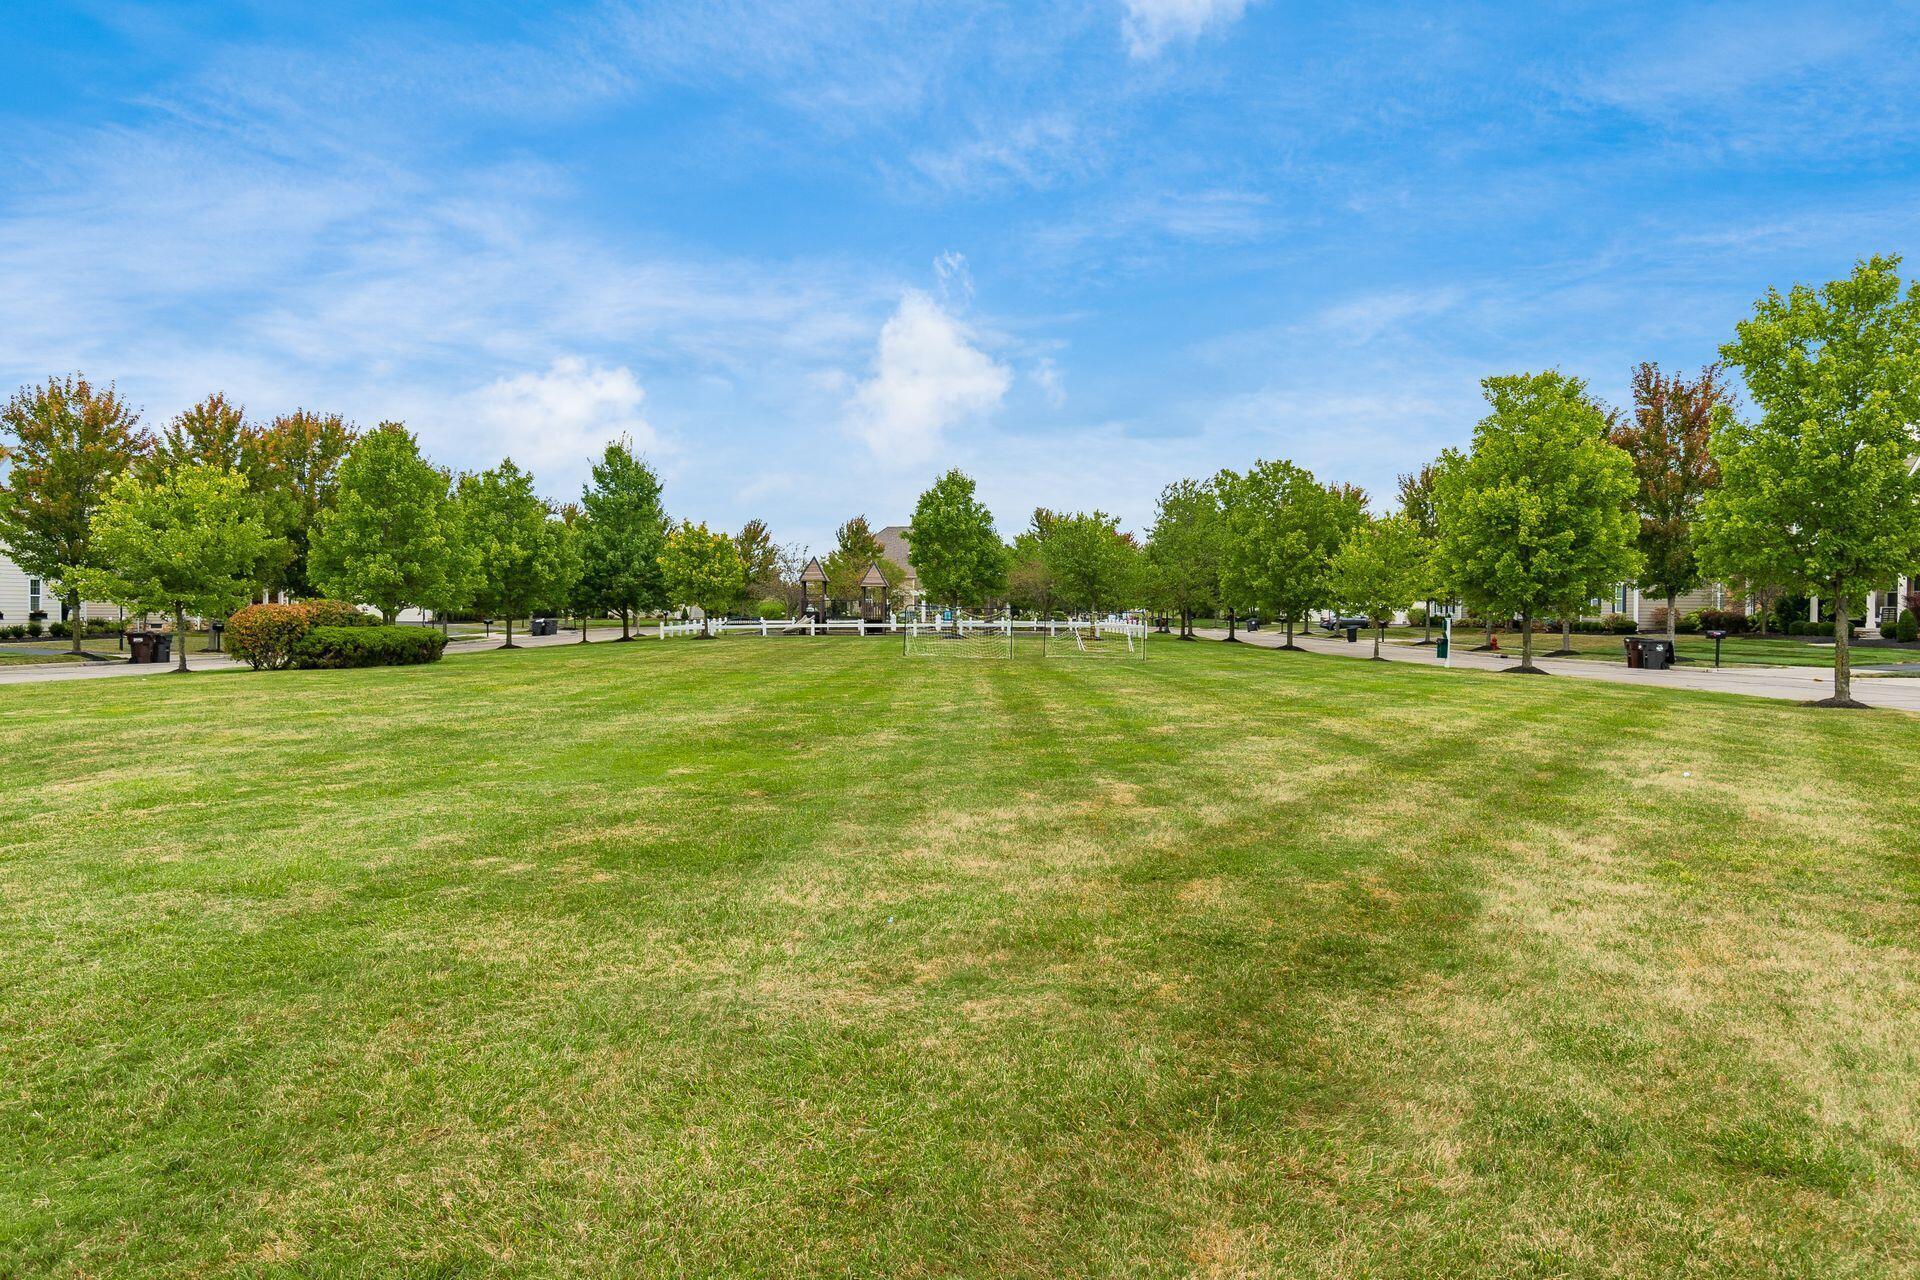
<point x="1442" y="647"/>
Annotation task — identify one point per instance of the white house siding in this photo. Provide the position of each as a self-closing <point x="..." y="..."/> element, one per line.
<point x="17" y="598"/>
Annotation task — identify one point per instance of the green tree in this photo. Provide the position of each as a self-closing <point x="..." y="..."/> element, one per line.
<point x="1030" y="583"/>
<point x="1281" y="528"/>
<point x="856" y="548"/>
<point x="1669" y="437"/>
<point x="626" y="530"/>
<point x="1379" y="570"/>
<point x="1820" y="495"/>
<point x="516" y="556"/>
<point x="570" y="591"/>
<point x="759" y="559"/>
<point x="295" y="467"/>
<point x="1539" y="515"/>
<point x="957" y="556"/>
<point x="387" y="540"/>
<point x="1417" y="491"/>
<point x="190" y="542"/>
<point x="214" y="432"/>
<point x="1093" y="566"/>
<point x="1184" y="548"/>
<point x="63" y="446"/>
<point x="702" y="568"/>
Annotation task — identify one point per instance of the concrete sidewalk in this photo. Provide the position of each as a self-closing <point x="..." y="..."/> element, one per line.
<point x="1790" y="684"/>
<point x="114" y="668"/>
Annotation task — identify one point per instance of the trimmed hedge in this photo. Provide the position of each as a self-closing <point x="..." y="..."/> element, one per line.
<point x="1908" y="627"/>
<point x="375" y="646"/>
<point x="266" y="636"/>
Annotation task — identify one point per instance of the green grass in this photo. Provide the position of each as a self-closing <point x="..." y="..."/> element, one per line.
<point x="803" y="958"/>
<point x="1772" y="651"/>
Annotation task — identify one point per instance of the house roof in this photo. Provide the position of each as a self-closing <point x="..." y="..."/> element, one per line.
<point x="873" y="577"/>
<point x="894" y="546"/>
<point x="813" y="572"/>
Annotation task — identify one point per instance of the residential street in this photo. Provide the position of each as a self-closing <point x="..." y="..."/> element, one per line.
<point x="1792" y="684"/>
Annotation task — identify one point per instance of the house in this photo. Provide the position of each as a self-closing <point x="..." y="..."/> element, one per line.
<point x="894" y="546"/>
<point x="25" y="597"/>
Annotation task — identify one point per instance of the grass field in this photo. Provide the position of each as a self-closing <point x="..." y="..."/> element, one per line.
<point x="804" y="958"/>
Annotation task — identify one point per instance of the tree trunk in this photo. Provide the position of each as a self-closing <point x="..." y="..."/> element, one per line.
<point x="1566" y="635"/>
<point x="1289" y="631"/>
<point x="387" y="616"/>
<point x="625" y="633"/>
<point x="1379" y="629"/>
<point x="1426" y="634"/>
<point x="509" y="641"/>
<point x="583" y="628"/>
<point x="77" y="623"/>
<point x="1671" y="629"/>
<point x="1230" y="623"/>
<point x="1526" y="641"/>
<point x="1842" y="655"/>
<point x="180" y="638"/>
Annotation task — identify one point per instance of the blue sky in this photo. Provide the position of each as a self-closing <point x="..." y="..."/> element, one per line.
<point x="810" y="254"/>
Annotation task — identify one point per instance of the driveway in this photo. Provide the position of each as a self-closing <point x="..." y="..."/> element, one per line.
<point x="1790" y="684"/>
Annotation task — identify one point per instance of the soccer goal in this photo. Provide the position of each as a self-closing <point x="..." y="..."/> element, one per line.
<point x="960" y="638"/>
<point x="1124" y="641"/>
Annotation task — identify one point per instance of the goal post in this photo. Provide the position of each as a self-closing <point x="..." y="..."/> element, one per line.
<point x="1122" y="640"/>
<point x="959" y="638"/>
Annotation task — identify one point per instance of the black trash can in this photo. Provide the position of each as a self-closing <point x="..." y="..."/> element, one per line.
<point x="1657" y="655"/>
<point x="1353" y="634"/>
<point x="162" y="647"/>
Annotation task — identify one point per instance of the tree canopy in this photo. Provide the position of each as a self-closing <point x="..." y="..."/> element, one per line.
<point x="516" y="556"/>
<point x="1820" y="495"/>
<point x="1668" y="437"/>
<point x="1184" y="549"/>
<point x="1093" y="566"/>
<point x="1537" y="518"/>
<point x="63" y="447"/>
<point x="702" y="568"/>
<point x="388" y="539"/>
<point x="957" y="557"/>
<point x="626" y="530"/>
<point x="190" y="542"/>
<point x="1281" y="529"/>
<point x="1380" y="569"/>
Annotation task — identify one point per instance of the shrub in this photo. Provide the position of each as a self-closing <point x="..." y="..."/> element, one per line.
<point x="58" y="631"/>
<point x="1908" y="628"/>
<point x="264" y="635"/>
<point x="34" y="630"/>
<point x="1417" y="616"/>
<point x="375" y="646"/>
<point x="338" y="613"/>
<point x="771" y="609"/>
<point x="1731" y="621"/>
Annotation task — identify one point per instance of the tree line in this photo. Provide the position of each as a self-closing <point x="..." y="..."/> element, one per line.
<point x="1556" y="500"/>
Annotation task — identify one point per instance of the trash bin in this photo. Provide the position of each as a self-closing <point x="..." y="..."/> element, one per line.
<point x="546" y="626"/>
<point x="162" y="647"/>
<point x="1656" y="655"/>
<point x="1353" y="635"/>
<point x="1636" y="656"/>
<point x="1442" y="647"/>
<point x="219" y="629"/>
<point x="139" y="647"/>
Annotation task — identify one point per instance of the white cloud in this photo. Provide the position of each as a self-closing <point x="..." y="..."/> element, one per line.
<point x="1046" y="374"/>
<point x="549" y="422"/>
<point x="928" y="375"/>
<point x="1149" y="25"/>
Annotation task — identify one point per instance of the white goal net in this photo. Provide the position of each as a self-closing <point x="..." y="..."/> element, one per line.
<point x="1009" y="638"/>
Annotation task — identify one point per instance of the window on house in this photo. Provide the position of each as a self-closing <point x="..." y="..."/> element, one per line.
<point x="33" y="596"/>
<point x="1620" y="598"/>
